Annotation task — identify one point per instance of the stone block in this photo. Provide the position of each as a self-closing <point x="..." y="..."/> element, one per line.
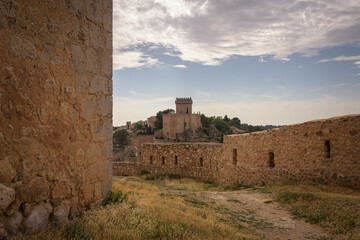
<point x="53" y="25"/>
<point x="7" y="172"/>
<point x="95" y="39"/>
<point x="93" y="153"/>
<point x="49" y="55"/>
<point x="14" y="207"/>
<point x="23" y="48"/>
<point x="60" y="191"/>
<point x="13" y="223"/>
<point x="94" y="11"/>
<point x="61" y="213"/>
<point x="106" y="187"/>
<point x="82" y="83"/>
<point x="86" y="194"/>
<point x="107" y="64"/>
<point x="38" y="189"/>
<point x="104" y="129"/>
<point x="108" y="15"/>
<point x="75" y="7"/>
<point x="99" y="84"/>
<point x="39" y="217"/>
<point x="92" y="61"/>
<point x="7" y="196"/>
<point x="87" y="109"/>
<point x="77" y="61"/>
<point x="104" y="105"/>
<point x="27" y="208"/>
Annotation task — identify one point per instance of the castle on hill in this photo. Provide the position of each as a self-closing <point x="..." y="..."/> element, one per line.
<point x="182" y="120"/>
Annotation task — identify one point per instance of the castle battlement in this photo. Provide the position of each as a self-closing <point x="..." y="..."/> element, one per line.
<point x="184" y="101"/>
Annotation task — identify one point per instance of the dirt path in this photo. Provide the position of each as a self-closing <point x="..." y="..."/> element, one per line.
<point x="256" y="211"/>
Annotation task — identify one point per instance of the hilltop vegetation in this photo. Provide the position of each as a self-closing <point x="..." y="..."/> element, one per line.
<point x="224" y="125"/>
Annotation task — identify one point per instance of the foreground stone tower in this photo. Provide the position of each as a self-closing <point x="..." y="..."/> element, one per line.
<point x="55" y="110"/>
<point x="182" y="120"/>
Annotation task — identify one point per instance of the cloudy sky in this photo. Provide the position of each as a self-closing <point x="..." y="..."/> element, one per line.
<point x="266" y="62"/>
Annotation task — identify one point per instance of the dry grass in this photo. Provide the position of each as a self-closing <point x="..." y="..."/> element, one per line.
<point x="151" y="211"/>
<point x="337" y="209"/>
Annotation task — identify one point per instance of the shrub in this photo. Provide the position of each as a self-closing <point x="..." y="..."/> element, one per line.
<point x="143" y="172"/>
<point x="76" y="230"/>
<point x="115" y="197"/>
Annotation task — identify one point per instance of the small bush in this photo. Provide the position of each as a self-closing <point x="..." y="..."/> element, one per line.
<point x="288" y="196"/>
<point x="76" y="230"/>
<point x="115" y="197"/>
<point x="174" y="176"/>
<point x="153" y="177"/>
<point x="143" y="172"/>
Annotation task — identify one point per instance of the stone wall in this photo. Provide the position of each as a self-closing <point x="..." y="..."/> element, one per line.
<point x="126" y="168"/>
<point x="177" y="123"/>
<point x="196" y="160"/>
<point x="321" y="151"/>
<point x="55" y="110"/>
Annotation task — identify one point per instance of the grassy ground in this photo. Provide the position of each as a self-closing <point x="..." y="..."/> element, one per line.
<point x="145" y="209"/>
<point x="336" y="209"/>
<point x="158" y="207"/>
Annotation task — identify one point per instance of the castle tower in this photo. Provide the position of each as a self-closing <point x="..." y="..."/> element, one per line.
<point x="183" y="105"/>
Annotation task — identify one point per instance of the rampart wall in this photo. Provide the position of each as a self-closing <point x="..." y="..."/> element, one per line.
<point x="55" y="110"/>
<point x="196" y="160"/>
<point x="321" y="151"/>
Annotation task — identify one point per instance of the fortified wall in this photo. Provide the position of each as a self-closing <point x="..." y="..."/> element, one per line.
<point x="55" y="110"/>
<point x="321" y="151"/>
<point x="196" y="160"/>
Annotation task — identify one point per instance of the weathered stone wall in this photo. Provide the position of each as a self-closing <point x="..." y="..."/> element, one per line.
<point x="177" y="123"/>
<point x="55" y="110"/>
<point x="321" y="151"/>
<point x="196" y="160"/>
<point x="126" y="168"/>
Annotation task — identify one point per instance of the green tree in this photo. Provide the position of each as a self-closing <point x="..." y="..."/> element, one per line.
<point x="159" y="121"/>
<point x="235" y="122"/>
<point x="121" y="139"/>
<point x="222" y="126"/>
<point x="226" y="119"/>
<point x="138" y="126"/>
<point x="206" y="121"/>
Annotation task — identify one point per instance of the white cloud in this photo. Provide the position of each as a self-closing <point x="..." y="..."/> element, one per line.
<point x="357" y="62"/>
<point x="299" y="66"/>
<point x="179" y="66"/>
<point x="135" y="93"/>
<point x="211" y="31"/>
<point x="261" y="59"/>
<point x="340" y="58"/>
<point x="132" y="59"/>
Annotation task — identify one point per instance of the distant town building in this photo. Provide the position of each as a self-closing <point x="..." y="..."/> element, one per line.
<point x="151" y="121"/>
<point x="128" y="125"/>
<point x="183" y="119"/>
